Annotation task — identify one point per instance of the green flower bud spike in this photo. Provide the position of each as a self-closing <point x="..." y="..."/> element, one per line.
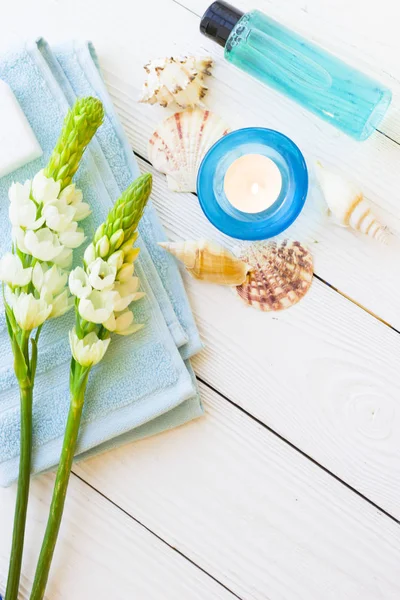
<point x="80" y="125"/>
<point x="127" y="210"/>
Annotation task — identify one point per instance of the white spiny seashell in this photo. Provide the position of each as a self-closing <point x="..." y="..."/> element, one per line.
<point x="347" y="204"/>
<point x="208" y="261"/>
<point x="179" y="80"/>
<point x="179" y="144"/>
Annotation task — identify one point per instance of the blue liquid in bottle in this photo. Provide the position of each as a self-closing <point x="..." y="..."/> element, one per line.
<point x="285" y="61"/>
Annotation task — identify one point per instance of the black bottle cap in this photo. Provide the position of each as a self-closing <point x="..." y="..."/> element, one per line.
<point x="219" y="20"/>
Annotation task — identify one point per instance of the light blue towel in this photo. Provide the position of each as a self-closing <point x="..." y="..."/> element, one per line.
<point x="144" y="385"/>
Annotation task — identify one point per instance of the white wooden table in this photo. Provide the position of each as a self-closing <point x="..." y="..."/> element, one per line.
<point x="289" y="488"/>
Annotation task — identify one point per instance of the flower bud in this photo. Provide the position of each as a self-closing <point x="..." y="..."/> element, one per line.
<point x="103" y="246"/>
<point x="132" y="255"/>
<point x="129" y="243"/>
<point x="99" y="233"/>
<point x="88" y="351"/>
<point x="90" y="254"/>
<point x="116" y="259"/>
<point x="117" y="239"/>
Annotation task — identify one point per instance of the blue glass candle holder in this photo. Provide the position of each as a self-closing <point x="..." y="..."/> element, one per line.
<point x="287" y="207"/>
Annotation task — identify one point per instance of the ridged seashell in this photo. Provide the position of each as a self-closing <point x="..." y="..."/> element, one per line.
<point x="179" y="144"/>
<point x="209" y="261"/>
<point x="347" y="204"/>
<point x="280" y="275"/>
<point x="178" y="80"/>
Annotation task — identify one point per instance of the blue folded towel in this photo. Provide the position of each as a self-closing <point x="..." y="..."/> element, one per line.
<point x="145" y="383"/>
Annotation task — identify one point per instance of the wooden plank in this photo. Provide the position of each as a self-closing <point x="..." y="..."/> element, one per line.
<point x="102" y="553"/>
<point x="324" y="374"/>
<point x="348" y="261"/>
<point x="250" y="510"/>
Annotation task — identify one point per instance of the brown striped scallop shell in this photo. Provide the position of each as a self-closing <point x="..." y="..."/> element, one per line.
<point x="179" y="144"/>
<point x="280" y="275"/>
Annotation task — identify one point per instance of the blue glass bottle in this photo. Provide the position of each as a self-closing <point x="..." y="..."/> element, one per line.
<point x="282" y="59"/>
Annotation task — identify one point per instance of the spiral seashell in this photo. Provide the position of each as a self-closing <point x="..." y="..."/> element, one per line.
<point x="279" y="276"/>
<point x="208" y="261"/>
<point x="179" y="144"/>
<point x="347" y="204"/>
<point x="178" y="80"/>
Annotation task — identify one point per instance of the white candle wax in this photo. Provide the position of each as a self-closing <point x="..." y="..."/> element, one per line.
<point x="252" y="183"/>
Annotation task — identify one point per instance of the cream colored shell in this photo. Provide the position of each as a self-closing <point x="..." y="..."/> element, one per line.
<point x="347" y="204"/>
<point x="280" y="275"/>
<point x="178" y="80"/>
<point x="209" y="261"/>
<point x="179" y="144"/>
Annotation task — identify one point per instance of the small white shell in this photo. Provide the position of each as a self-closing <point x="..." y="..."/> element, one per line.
<point x="208" y="261"/>
<point x="179" y="144"/>
<point x="348" y="205"/>
<point x="178" y="80"/>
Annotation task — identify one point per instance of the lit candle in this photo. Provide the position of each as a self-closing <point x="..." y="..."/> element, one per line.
<point x="252" y="183"/>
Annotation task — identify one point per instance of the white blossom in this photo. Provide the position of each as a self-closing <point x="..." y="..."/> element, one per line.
<point x="101" y="274"/>
<point x="88" y="351"/>
<point x="126" y="293"/>
<point x="122" y="323"/>
<point x="49" y="280"/>
<point x="73" y="237"/>
<point x="45" y="189"/>
<point x="22" y="210"/>
<point x="64" y="259"/>
<point x="43" y="244"/>
<point x="71" y="195"/>
<point x="13" y="272"/>
<point x="79" y="283"/>
<point x="30" y="312"/>
<point x="59" y="215"/>
<point x="82" y="210"/>
<point x="61" y="304"/>
<point x="97" y="307"/>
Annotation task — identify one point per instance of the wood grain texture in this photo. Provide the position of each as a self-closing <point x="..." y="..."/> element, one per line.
<point x="361" y="269"/>
<point x="252" y="512"/>
<point x="323" y="374"/>
<point x="102" y="553"/>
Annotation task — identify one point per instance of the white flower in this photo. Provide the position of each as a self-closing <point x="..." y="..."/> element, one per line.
<point x="30" y="312"/>
<point x="59" y="215"/>
<point x="64" y="259"/>
<point x="101" y="274"/>
<point x="72" y="237"/>
<point x="125" y="273"/>
<point x="116" y="259"/>
<point x="18" y="238"/>
<point x="50" y="280"/>
<point x="12" y="271"/>
<point x="71" y="195"/>
<point x="43" y="244"/>
<point x="79" y="283"/>
<point x="82" y="210"/>
<point x="126" y="293"/>
<point x="61" y="304"/>
<point x="90" y="254"/>
<point x="23" y="210"/>
<point x="122" y="323"/>
<point x="97" y="307"/>
<point x="45" y="189"/>
<point x="90" y="350"/>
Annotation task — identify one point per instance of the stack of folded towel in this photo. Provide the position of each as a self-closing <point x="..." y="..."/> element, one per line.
<point x="145" y="383"/>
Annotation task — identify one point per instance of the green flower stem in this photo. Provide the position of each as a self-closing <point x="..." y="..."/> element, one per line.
<point x="79" y="377"/>
<point x="21" y="506"/>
